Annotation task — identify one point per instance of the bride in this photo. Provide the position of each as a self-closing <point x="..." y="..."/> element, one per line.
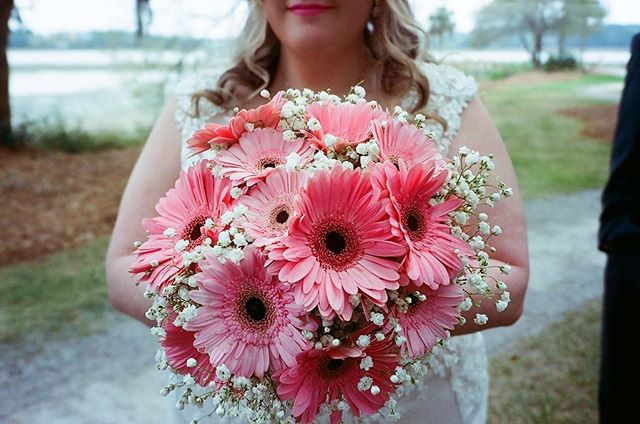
<point x="320" y="44"/>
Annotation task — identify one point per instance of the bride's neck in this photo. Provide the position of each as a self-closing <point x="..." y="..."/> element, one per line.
<point x="338" y="72"/>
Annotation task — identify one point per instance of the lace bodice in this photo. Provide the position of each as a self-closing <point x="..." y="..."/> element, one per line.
<point x="450" y="92"/>
<point x="456" y="390"/>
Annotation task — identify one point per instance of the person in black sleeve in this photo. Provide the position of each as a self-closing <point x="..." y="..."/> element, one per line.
<point x="619" y="237"/>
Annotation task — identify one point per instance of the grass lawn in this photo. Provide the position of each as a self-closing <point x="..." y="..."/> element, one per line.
<point x="64" y="291"/>
<point x="548" y="154"/>
<point x="550" y="378"/>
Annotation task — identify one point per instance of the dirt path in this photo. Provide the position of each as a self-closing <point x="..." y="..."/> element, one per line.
<point x="110" y="377"/>
<point x="54" y="200"/>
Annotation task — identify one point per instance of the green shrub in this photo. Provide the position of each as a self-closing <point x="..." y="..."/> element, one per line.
<point x="55" y="134"/>
<point x="562" y="63"/>
<point x="495" y="71"/>
<point x="506" y="70"/>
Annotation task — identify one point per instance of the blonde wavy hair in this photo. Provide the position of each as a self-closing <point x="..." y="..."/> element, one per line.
<point x="393" y="38"/>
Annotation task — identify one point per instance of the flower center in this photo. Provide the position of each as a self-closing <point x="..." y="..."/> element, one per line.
<point x="279" y="217"/>
<point x="331" y="368"/>
<point x="196" y="231"/>
<point x="413" y="222"/>
<point x="259" y="124"/>
<point x="282" y="217"/>
<point x="268" y="162"/>
<point x="335" y="364"/>
<point x="335" y="244"/>
<point x="193" y="231"/>
<point x="280" y="214"/>
<point x="255" y="308"/>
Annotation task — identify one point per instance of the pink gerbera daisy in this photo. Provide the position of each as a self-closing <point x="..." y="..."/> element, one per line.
<point x="264" y="116"/>
<point x="257" y="154"/>
<point x="339" y="243"/>
<point x="211" y="135"/>
<point x="270" y="206"/>
<point x="178" y="347"/>
<point x="323" y="375"/>
<point x="196" y="197"/>
<point x="349" y="123"/>
<point x="431" y="258"/>
<point x="400" y="141"/>
<point x="249" y="321"/>
<point x="426" y="321"/>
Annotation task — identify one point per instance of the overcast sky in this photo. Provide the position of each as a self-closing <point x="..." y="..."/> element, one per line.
<point x="220" y="18"/>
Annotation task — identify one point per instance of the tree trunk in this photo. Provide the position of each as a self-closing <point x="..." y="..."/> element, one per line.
<point x="139" y="21"/>
<point x="6" y="136"/>
<point x="142" y="18"/>
<point x="536" y="51"/>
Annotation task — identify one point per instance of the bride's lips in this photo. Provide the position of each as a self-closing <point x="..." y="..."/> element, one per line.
<point x="307" y="9"/>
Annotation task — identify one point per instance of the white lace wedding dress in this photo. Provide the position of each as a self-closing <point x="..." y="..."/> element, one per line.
<point x="456" y="390"/>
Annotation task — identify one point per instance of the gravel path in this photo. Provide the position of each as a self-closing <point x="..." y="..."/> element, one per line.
<point x="110" y="377"/>
<point x="566" y="267"/>
<point x="609" y="92"/>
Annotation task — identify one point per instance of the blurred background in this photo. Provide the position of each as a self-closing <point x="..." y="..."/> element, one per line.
<point x="81" y="83"/>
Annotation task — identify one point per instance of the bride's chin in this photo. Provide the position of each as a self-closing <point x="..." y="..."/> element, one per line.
<point x="316" y="42"/>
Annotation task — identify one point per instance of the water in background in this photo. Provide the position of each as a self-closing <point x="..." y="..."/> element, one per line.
<point x="120" y="90"/>
<point x="124" y="89"/>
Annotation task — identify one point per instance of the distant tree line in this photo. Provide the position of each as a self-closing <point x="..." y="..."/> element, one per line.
<point x="25" y="39"/>
<point x="608" y="36"/>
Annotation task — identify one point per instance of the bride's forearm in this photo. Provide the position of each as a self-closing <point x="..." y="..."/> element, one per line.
<point x="155" y="172"/>
<point x="516" y="282"/>
<point x="124" y="294"/>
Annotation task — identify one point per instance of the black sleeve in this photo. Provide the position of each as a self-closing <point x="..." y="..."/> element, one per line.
<point x="620" y="219"/>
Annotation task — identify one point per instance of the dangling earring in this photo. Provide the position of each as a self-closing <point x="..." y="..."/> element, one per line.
<point x="373" y="16"/>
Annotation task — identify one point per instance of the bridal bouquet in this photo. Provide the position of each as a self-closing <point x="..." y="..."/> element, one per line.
<point x="313" y="264"/>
